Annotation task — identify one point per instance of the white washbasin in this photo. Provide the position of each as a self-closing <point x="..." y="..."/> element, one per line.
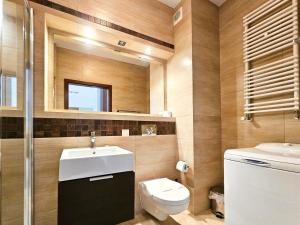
<point x="76" y="163"/>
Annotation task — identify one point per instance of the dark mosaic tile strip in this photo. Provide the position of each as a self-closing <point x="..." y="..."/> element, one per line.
<point x="101" y="22"/>
<point x="49" y="127"/>
<point x="12" y="127"/>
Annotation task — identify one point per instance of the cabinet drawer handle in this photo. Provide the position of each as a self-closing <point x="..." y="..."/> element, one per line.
<point x="101" y="178"/>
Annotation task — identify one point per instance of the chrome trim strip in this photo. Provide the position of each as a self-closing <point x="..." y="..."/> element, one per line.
<point x="28" y="114"/>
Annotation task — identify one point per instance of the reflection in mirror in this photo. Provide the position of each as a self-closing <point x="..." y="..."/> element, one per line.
<point x="89" y="75"/>
<point x="8" y="90"/>
<point x="11" y="81"/>
<point x="87" y="96"/>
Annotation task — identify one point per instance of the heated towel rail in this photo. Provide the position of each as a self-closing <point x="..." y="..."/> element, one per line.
<point x="271" y="58"/>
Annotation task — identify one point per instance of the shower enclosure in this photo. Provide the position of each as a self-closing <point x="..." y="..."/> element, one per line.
<point x="16" y="84"/>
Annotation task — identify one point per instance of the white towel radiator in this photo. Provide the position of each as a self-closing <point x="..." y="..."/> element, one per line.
<point x="271" y="84"/>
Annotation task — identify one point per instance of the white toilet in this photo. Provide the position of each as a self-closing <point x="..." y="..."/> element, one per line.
<point x="163" y="197"/>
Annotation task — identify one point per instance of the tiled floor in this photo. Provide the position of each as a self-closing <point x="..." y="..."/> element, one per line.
<point x="185" y="218"/>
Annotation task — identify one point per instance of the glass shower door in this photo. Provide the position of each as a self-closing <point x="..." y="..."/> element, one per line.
<point x="16" y="159"/>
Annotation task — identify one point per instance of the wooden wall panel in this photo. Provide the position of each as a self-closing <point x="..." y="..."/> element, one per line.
<point x="148" y="17"/>
<point x="12" y="181"/>
<point x="194" y="98"/>
<point x="180" y="93"/>
<point x="206" y="102"/>
<point x="156" y="88"/>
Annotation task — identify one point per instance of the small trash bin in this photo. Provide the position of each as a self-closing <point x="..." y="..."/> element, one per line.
<point x="217" y="201"/>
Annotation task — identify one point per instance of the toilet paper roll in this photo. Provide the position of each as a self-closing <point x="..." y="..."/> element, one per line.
<point x="182" y="166"/>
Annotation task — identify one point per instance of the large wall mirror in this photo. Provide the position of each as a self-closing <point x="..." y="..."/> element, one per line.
<point x="86" y="73"/>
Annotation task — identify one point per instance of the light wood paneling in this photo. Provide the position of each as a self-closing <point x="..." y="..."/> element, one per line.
<point x="180" y="92"/>
<point x="145" y="16"/>
<point x="155" y="157"/>
<point x="194" y="98"/>
<point x="12" y="176"/>
<point x="206" y="101"/>
<point x="198" y="112"/>
<point x="50" y="68"/>
<point x="156" y="88"/>
<point x="128" y="81"/>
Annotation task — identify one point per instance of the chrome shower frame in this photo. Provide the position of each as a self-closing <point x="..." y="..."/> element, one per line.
<point x="28" y="114"/>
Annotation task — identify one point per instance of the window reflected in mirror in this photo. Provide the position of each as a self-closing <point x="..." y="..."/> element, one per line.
<point x="8" y="86"/>
<point x="86" y="96"/>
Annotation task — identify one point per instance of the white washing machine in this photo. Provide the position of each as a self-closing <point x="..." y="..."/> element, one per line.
<point x="262" y="185"/>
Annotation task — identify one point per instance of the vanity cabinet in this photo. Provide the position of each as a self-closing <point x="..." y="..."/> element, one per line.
<point x="101" y="200"/>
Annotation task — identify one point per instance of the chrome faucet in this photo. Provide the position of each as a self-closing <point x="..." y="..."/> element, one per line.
<point x="93" y="140"/>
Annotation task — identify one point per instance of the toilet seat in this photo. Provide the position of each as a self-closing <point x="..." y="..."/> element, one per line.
<point x="167" y="192"/>
<point x="163" y="197"/>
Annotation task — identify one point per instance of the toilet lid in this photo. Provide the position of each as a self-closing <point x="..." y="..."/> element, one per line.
<point x="167" y="192"/>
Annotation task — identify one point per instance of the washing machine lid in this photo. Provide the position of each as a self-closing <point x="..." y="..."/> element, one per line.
<point x="284" y="156"/>
<point x="167" y="192"/>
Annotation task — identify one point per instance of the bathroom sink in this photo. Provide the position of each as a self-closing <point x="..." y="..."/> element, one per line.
<point x="77" y="163"/>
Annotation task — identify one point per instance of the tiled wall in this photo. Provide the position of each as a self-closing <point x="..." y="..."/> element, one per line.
<point x="193" y="77"/>
<point x="47" y="127"/>
<point x="12" y="181"/>
<point x="12" y="127"/>
<point x="206" y="101"/>
<point x="275" y="127"/>
<point x="180" y="93"/>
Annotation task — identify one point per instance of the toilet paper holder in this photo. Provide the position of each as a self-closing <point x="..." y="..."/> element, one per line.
<point x="182" y="166"/>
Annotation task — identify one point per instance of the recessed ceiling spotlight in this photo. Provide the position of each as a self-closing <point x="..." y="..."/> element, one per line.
<point x="89" y="32"/>
<point x="148" y="50"/>
<point x="122" y="43"/>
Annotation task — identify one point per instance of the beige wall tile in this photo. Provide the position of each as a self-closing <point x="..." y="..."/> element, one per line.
<point x="206" y="102"/>
<point x="12" y="180"/>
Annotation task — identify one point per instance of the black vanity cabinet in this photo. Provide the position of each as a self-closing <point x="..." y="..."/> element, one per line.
<point x="102" y="200"/>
